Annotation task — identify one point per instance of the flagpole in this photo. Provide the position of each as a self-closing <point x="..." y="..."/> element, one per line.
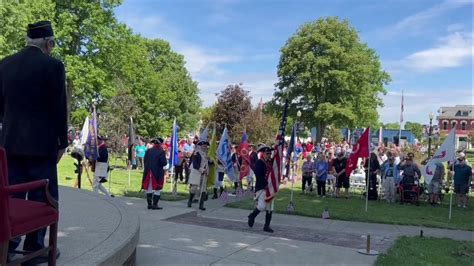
<point x="401" y="121"/>
<point x="368" y="174"/>
<point x="452" y="181"/>
<point x="175" y="180"/>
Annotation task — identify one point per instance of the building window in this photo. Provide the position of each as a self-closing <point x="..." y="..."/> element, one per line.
<point x="445" y="125"/>
<point x="463" y="125"/>
<point x="453" y="124"/>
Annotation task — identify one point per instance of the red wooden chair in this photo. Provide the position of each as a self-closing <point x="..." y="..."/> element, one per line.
<point x="19" y="217"/>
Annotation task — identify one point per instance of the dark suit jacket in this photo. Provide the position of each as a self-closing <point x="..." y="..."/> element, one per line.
<point x="33" y="105"/>
<point x="155" y="160"/>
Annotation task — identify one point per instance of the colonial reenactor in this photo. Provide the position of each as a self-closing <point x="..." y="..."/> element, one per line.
<point x="263" y="169"/>
<point x="33" y="114"/>
<point x="153" y="173"/>
<point x="101" y="167"/>
<point x="197" y="177"/>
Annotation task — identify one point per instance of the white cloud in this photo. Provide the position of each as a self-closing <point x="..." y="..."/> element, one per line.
<point x="201" y="62"/>
<point x="417" y="22"/>
<point x="418" y="104"/>
<point x="451" y="51"/>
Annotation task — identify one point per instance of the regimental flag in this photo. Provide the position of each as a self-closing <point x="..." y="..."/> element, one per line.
<point x="224" y="155"/>
<point x="274" y="178"/>
<point x="243" y="152"/>
<point x="90" y="148"/>
<point x="85" y="131"/>
<point x="401" y="111"/>
<point x="211" y="179"/>
<point x="174" y="161"/>
<point x="291" y="148"/>
<point x="131" y="140"/>
<point x="445" y="153"/>
<point x="360" y="150"/>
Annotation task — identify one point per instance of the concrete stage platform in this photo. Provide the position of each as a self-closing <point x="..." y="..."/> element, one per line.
<point x="96" y="230"/>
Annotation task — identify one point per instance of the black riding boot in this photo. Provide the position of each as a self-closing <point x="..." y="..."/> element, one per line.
<point x="148" y="199"/>
<point x="268" y="219"/>
<point x="215" y="194"/>
<point x="201" y="201"/>
<point x="190" y="201"/>
<point x="252" y="216"/>
<point x="156" y="198"/>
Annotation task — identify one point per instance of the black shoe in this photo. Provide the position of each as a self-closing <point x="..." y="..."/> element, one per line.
<point x="190" y="201"/>
<point x="268" y="219"/>
<point x="149" y="196"/>
<point x="156" y="199"/>
<point x="251" y="217"/>
<point x="215" y="193"/>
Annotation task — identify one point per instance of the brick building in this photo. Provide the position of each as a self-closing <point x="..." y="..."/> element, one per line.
<point x="459" y="117"/>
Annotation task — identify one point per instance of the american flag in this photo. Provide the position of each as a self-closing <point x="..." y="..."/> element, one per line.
<point x="275" y="175"/>
<point x="240" y="192"/>
<point x="224" y="197"/>
<point x="401" y="113"/>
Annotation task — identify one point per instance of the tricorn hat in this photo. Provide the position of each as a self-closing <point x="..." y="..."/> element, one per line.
<point x="41" y="29"/>
<point x="157" y="140"/>
<point x="265" y="148"/>
<point x="202" y="142"/>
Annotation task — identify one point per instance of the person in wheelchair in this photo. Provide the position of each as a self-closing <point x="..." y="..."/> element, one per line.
<point x="409" y="185"/>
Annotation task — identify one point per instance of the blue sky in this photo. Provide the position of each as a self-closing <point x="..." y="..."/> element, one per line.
<point x="425" y="45"/>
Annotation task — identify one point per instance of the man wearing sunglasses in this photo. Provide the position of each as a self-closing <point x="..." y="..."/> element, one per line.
<point x="33" y="107"/>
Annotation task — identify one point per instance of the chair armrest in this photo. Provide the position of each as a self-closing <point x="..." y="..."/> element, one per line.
<point x="25" y="187"/>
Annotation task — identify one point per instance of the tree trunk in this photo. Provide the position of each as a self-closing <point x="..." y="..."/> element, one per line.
<point x="320" y="129"/>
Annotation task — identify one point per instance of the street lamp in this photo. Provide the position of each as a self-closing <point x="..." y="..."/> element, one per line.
<point x="298" y="115"/>
<point x="431" y="116"/>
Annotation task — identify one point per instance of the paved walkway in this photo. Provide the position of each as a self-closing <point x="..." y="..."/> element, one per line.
<point x="178" y="235"/>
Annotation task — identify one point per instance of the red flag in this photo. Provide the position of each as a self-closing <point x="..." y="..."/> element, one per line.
<point x="243" y="152"/>
<point x="360" y="150"/>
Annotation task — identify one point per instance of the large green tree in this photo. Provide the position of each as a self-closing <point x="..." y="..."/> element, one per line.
<point x="233" y="104"/>
<point x="328" y="73"/>
<point x="97" y="51"/>
<point x="415" y="128"/>
<point x="260" y="127"/>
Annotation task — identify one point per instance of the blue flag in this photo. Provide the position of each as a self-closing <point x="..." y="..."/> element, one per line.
<point x="225" y="157"/>
<point x="174" y="146"/>
<point x="90" y="147"/>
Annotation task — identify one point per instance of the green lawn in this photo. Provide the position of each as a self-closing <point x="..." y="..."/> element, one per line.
<point x="353" y="209"/>
<point x="119" y="181"/>
<point x="428" y="251"/>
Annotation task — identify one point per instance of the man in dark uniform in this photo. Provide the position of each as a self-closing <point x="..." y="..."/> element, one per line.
<point x="262" y="166"/>
<point x="342" y="180"/>
<point x="34" y="117"/>
<point x="154" y="174"/>
<point x="101" y="167"/>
